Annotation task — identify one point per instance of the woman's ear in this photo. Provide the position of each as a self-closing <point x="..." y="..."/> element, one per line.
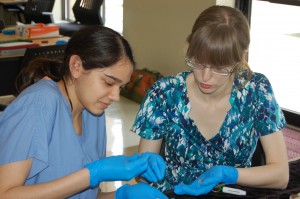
<point x="75" y="65"/>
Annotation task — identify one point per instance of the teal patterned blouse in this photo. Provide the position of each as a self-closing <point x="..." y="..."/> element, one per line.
<point x="164" y="113"/>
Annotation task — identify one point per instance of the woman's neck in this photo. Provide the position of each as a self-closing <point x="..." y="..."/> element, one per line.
<point x="67" y="90"/>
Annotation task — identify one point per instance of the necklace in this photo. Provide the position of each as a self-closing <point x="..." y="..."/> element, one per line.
<point x="67" y="94"/>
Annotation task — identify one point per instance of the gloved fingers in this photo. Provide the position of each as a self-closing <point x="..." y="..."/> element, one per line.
<point x="134" y="157"/>
<point x="121" y="192"/>
<point x="129" y="169"/>
<point x="193" y="189"/>
<point x="190" y="190"/>
<point x="138" y="166"/>
<point x="159" y="168"/>
<point x="157" y="165"/>
<point x="142" y="162"/>
<point x="207" y="181"/>
<point x="183" y="189"/>
<point x="206" y="189"/>
<point x="159" y="194"/>
<point x="178" y="189"/>
<point x="140" y="190"/>
<point x="153" y="172"/>
<point x="149" y="175"/>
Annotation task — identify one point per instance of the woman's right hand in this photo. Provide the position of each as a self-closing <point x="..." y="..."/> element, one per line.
<point x="116" y="168"/>
<point x="141" y="190"/>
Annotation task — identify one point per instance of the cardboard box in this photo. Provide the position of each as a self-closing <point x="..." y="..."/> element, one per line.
<point x="22" y="30"/>
<point x="38" y="30"/>
<point x="43" y="31"/>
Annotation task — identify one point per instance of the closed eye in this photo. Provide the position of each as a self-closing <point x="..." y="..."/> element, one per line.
<point x="109" y="83"/>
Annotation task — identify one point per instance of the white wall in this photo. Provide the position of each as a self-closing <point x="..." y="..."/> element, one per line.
<point x="226" y="2"/>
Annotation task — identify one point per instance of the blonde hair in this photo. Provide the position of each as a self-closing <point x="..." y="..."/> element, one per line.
<point x="220" y="37"/>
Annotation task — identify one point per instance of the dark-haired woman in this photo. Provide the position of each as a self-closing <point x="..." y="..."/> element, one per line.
<point x="212" y="116"/>
<point x="53" y="136"/>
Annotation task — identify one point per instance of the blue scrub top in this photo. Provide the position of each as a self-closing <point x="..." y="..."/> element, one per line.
<point x="38" y="125"/>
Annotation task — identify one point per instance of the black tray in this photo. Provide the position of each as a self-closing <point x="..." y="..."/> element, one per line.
<point x="259" y="193"/>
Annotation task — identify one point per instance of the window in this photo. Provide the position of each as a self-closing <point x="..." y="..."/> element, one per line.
<point x="113" y="15"/>
<point x="111" y="12"/>
<point x="274" y="50"/>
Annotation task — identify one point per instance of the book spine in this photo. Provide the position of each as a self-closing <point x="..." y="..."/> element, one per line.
<point x="13" y="52"/>
<point x="18" y="47"/>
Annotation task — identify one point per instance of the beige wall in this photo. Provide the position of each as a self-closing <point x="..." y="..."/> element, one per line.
<point x="157" y="31"/>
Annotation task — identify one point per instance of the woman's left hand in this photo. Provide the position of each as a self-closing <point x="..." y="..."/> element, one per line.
<point x="208" y="180"/>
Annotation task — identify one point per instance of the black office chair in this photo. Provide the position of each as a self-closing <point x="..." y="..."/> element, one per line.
<point x="86" y="12"/>
<point x="16" y="9"/>
<point x="258" y="158"/>
<point x="52" y="51"/>
<point x="2" y="25"/>
<point x="39" y="11"/>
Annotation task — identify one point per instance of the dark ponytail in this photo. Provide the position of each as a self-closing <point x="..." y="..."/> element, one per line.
<point x="36" y="70"/>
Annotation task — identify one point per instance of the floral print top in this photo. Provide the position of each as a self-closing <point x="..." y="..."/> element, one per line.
<point x="164" y="113"/>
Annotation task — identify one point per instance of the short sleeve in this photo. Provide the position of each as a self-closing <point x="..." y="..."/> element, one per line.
<point x="25" y="128"/>
<point x="152" y="116"/>
<point x="269" y="118"/>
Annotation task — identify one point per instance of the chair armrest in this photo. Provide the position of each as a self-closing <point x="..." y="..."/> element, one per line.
<point x="47" y="13"/>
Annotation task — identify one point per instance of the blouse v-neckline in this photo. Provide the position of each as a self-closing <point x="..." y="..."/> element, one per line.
<point x="217" y="136"/>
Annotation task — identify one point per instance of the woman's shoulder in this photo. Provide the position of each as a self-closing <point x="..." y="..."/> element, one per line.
<point x="173" y="80"/>
<point x="259" y="77"/>
<point x="171" y="88"/>
<point x="43" y="95"/>
<point x="252" y="81"/>
<point x="260" y="83"/>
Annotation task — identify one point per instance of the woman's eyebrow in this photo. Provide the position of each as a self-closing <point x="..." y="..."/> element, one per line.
<point x="114" y="78"/>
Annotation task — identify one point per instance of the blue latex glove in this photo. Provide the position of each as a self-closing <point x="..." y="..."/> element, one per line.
<point x="156" y="167"/>
<point x="116" y="168"/>
<point x="208" y="180"/>
<point x="139" y="191"/>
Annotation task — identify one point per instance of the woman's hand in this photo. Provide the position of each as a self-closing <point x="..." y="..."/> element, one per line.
<point x="116" y="168"/>
<point x="156" y="167"/>
<point x="208" y="180"/>
<point x="141" y="190"/>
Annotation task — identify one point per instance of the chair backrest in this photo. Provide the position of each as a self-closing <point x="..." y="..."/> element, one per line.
<point x="53" y="51"/>
<point x="34" y="10"/>
<point x="88" y="12"/>
<point x="2" y="25"/>
<point x="258" y="158"/>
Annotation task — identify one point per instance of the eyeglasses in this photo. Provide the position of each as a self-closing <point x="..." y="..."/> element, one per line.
<point x="217" y="71"/>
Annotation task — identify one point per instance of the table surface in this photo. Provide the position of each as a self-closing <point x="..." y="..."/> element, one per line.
<point x="292" y="188"/>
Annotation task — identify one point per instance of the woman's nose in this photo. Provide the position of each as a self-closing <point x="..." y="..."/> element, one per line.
<point x="206" y="74"/>
<point x="115" y="94"/>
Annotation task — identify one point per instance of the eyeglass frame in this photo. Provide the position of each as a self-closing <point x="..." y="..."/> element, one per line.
<point x="227" y="72"/>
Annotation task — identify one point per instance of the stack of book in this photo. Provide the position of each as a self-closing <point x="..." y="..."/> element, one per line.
<point x="15" y="48"/>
